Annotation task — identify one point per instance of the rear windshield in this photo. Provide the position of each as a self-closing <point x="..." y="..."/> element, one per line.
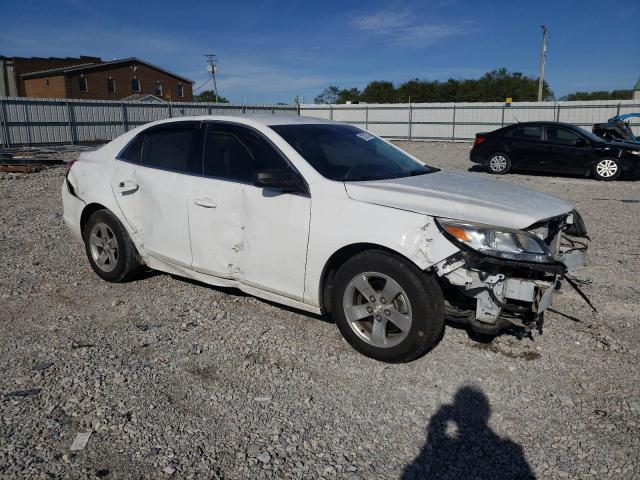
<point x="346" y="153"/>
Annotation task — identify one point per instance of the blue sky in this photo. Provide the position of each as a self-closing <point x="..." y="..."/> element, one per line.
<point x="273" y="51"/>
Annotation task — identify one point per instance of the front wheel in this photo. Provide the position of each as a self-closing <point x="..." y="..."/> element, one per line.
<point x="499" y="163"/>
<point x="386" y="308"/>
<point x="606" y="169"/>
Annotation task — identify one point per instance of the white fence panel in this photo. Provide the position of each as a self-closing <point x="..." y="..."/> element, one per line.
<point x="461" y="121"/>
<point x="27" y="121"/>
<point x="33" y="121"/>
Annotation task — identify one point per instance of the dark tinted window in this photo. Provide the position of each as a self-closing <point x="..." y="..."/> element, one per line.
<point x="531" y="132"/>
<point x="135" y="85"/>
<point x="82" y="81"/>
<point x="561" y="136"/>
<point x="344" y="152"/>
<point x="235" y="153"/>
<point x="131" y="152"/>
<point x="172" y="148"/>
<point x="111" y="85"/>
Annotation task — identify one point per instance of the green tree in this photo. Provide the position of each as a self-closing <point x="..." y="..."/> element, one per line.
<point x="209" y="96"/>
<point x="349" y="95"/>
<point x="494" y="86"/>
<point x="379" y="92"/>
<point x="600" y="95"/>
<point x="328" y="95"/>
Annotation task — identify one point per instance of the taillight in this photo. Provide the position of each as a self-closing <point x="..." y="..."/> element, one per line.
<point x="479" y="140"/>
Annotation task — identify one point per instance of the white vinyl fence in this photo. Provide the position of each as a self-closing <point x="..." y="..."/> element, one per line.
<point x="461" y="121"/>
<point x="38" y="121"/>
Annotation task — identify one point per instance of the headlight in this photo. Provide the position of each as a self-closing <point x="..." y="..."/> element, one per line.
<point x="497" y="241"/>
<point x="635" y="152"/>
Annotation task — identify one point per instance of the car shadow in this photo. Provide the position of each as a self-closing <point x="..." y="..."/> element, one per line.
<point x="236" y="292"/>
<point x="531" y="173"/>
<point x="461" y="444"/>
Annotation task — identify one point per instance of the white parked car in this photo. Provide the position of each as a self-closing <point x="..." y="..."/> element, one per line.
<point x="324" y="217"/>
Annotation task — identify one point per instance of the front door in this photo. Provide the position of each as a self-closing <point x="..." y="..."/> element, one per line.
<point x="253" y="235"/>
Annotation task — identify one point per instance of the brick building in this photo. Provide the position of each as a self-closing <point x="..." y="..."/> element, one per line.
<point x="90" y="78"/>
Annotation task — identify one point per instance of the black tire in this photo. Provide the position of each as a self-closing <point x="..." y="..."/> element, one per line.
<point x="498" y="163"/>
<point x="127" y="265"/>
<point x="600" y="173"/>
<point x="422" y="291"/>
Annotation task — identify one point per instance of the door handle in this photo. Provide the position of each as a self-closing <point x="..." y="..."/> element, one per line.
<point x="126" y="186"/>
<point x="205" y="202"/>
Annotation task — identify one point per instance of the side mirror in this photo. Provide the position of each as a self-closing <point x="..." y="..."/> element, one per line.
<point x="581" y="142"/>
<point x="283" y="180"/>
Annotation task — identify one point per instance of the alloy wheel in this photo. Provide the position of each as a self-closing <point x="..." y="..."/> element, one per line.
<point x="377" y="309"/>
<point x="498" y="163"/>
<point x="606" y="168"/>
<point x="104" y="247"/>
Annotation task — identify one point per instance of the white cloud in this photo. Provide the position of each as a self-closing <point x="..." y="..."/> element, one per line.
<point x="402" y="28"/>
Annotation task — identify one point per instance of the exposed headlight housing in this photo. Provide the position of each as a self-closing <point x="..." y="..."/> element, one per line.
<point x="497" y="242"/>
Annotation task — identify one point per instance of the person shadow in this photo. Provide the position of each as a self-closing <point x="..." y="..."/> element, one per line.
<point x="460" y="444"/>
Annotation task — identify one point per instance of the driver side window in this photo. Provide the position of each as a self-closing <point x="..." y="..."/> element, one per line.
<point x="235" y="153"/>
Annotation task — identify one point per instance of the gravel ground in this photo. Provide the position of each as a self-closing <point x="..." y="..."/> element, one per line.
<point x="176" y="379"/>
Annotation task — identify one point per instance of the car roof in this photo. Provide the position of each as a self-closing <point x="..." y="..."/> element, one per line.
<point x="542" y="122"/>
<point x="264" y="119"/>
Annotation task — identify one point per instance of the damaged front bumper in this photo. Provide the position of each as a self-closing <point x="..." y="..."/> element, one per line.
<point x="491" y="294"/>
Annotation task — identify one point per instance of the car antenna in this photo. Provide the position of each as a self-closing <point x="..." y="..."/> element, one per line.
<point x="517" y="121"/>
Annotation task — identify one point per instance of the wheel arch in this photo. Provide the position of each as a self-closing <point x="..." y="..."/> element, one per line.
<point x="87" y="211"/>
<point x="338" y="258"/>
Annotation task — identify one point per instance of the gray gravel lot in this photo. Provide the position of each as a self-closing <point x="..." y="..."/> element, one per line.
<point x="177" y="379"/>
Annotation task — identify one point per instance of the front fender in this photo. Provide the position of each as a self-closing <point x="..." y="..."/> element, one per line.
<point x="338" y="222"/>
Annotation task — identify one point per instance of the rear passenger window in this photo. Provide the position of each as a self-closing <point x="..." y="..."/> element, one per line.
<point x="529" y="132"/>
<point x="236" y="153"/>
<point x="172" y="149"/>
<point x="131" y="152"/>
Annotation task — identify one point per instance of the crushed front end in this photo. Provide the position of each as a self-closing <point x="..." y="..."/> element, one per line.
<point x="502" y="278"/>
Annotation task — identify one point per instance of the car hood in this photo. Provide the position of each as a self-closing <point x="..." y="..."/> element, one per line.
<point x="461" y="196"/>
<point x="623" y="144"/>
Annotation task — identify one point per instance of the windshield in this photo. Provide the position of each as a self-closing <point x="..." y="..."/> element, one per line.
<point x="346" y="153"/>
<point x="591" y="136"/>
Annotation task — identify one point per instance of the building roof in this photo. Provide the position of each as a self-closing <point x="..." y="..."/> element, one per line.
<point x="139" y="97"/>
<point x="90" y="66"/>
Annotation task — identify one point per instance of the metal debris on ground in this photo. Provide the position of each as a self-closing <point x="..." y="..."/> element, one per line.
<point x="24" y="393"/>
<point x="80" y="441"/>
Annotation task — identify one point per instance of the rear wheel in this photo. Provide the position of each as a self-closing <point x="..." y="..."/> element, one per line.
<point x="606" y="169"/>
<point x="499" y="163"/>
<point x="109" y="248"/>
<point x="386" y="308"/>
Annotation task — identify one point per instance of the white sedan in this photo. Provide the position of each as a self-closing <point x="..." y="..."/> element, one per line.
<point x="324" y="217"/>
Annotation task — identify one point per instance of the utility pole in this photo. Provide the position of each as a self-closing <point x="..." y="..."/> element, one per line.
<point x="543" y="54"/>
<point x="211" y="60"/>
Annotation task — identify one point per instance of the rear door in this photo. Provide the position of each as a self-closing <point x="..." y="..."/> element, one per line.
<point x="568" y="151"/>
<point x="525" y="146"/>
<point x="153" y="193"/>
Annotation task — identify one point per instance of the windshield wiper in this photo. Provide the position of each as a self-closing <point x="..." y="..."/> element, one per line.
<point x="413" y="173"/>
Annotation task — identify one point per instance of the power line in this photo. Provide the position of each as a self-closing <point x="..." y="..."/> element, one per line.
<point x="200" y="86"/>
<point x="543" y="54"/>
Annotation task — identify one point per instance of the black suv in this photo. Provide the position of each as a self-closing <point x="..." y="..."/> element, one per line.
<point x="556" y="148"/>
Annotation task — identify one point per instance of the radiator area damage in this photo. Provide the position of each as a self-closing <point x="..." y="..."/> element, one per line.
<point x="491" y="294"/>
